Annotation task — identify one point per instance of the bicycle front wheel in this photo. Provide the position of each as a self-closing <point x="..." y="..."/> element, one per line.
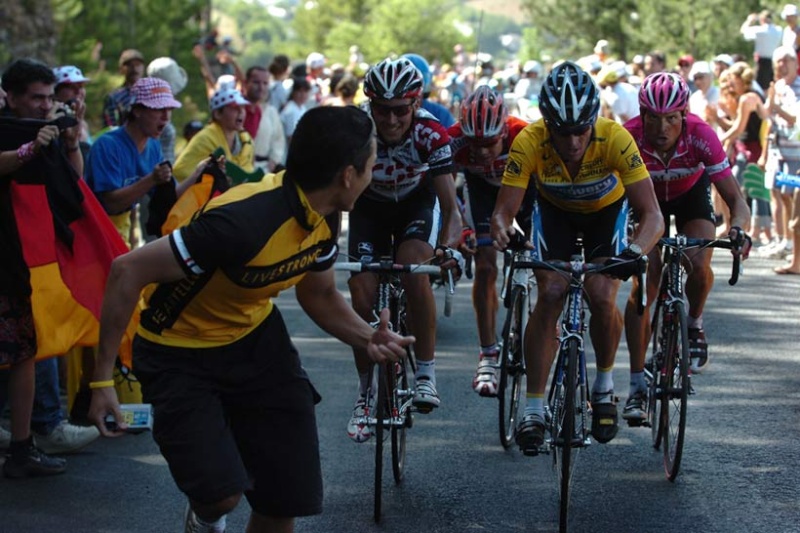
<point x="676" y="397"/>
<point x="401" y="393"/>
<point x="382" y="411"/>
<point x="512" y="365"/>
<point x="566" y="441"/>
<point x="659" y="334"/>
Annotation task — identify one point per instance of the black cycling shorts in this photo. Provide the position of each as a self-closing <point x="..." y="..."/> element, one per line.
<point x="482" y="198"/>
<point x="694" y="204"/>
<point x="237" y="418"/>
<point x="375" y="225"/>
<point x="555" y="230"/>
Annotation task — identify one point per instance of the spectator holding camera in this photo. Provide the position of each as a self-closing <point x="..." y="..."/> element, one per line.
<point x="70" y="91"/>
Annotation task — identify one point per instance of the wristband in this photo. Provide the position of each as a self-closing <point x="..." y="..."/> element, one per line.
<point x="25" y="152"/>
<point x="101" y="384"/>
<point x="74" y="148"/>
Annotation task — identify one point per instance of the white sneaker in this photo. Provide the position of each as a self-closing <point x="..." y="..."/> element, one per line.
<point x="191" y="524"/>
<point x="425" y="396"/>
<point x="357" y="428"/>
<point x="5" y="438"/>
<point x="66" y="438"/>
<point x="485" y="380"/>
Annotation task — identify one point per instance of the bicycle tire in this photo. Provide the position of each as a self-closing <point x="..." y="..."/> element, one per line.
<point x="677" y="392"/>
<point x="655" y="388"/>
<point x="399" y="431"/>
<point x="512" y="365"/>
<point x="567" y="437"/>
<point x="381" y="412"/>
<point x="401" y="390"/>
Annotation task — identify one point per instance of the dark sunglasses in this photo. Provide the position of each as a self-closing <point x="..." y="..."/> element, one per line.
<point x="484" y="142"/>
<point x="571" y="132"/>
<point x="384" y="110"/>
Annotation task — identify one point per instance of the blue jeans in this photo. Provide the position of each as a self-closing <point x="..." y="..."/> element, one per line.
<point x="47" y="412"/>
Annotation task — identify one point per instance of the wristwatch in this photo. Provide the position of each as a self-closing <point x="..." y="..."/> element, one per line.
<point x="635" y="248"/>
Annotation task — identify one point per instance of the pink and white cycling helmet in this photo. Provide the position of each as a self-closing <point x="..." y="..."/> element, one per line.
<point x="663" y="92"/>
<point x="483" y="114"/>
<point x="392" y="79"/>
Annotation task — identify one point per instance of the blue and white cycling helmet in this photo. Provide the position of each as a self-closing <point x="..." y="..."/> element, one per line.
<point x="424" y="68"/>
<point x="392" y="79"/>
<point x="569" y="100"/>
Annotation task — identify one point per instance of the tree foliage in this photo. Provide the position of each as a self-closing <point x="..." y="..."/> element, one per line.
<point x="570" y="28"/>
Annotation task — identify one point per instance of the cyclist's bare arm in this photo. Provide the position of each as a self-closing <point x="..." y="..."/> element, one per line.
<point x="130" y="273"/>
<point x="445" y="188"/>
<point x="730" y="192"/>
<point x="325" y="305"/>
<point x="642" y="199"/>
<point x="508" y="203"/>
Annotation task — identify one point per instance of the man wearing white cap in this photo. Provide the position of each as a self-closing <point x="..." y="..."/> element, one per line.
<point x="704" y="99"/>
<point x="126" y="163"/>
<point x="791" y="31"/>
<point x="758" y="27"/>
<point x="226" y="131"/>
<point x="315" y="68"/>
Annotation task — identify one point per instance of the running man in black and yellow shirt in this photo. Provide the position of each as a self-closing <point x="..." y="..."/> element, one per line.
<point x="233" y="407"/>
<point x="587" y="172"/>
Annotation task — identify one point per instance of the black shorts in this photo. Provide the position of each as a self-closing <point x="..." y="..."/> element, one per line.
<point x="482" y="198"/>
<point x="555" y="230"/>
<point x="236" y="418"/>
<point x="375" y="225"/>
<point x="695" y="204"/>
<point x="17" y="330"/>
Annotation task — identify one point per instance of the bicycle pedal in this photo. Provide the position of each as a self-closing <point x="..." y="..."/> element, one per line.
<point x="635" y="423"/>
<point x="423" y="410"/>
<point x="530" y="452"/>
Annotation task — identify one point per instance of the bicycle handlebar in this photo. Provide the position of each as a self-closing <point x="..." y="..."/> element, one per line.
<point x="682" y="243"/>
<point x="390" y="267"/>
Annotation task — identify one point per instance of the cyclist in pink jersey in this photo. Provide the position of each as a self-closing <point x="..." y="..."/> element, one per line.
<point x="684" y="157"/>
<point x="481" y="141"/>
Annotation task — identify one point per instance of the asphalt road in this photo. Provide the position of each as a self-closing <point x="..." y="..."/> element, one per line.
<point x="739" y="471"/>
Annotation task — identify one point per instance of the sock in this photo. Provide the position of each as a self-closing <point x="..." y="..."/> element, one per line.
<point x="694" y="323"/>
<point x="534" y="405"/>
<point x="426" y="370"/>
<point x="18" y="449"/>
<point x="638" y="384"/>
<point x="604" y="381"/>
<point x="491" y="349"/>
<point x="211" y="527"/>
<point x="363" y="382"/>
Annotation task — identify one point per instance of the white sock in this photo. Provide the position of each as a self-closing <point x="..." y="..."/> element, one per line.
<point x="638" y="384"/>
<point x="363" y="382"/>
<point x="492" y="349"/>
<point x="426" y="370"/>
<point x="211" y="527"/>
<point x="604" y="381"/>
<point x="693" y="322"/>
<point x="534" y="405"/>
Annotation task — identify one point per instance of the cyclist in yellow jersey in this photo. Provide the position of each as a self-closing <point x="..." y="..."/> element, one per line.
<point x="587" y="171"/>
<point x="233" y="407"/>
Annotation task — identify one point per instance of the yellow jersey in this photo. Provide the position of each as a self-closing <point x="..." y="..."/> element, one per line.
<point x="611" y="162"/>
<point x="238" y="253"/>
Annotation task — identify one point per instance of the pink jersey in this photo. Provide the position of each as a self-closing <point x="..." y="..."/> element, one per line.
<point x="698" y="149"/>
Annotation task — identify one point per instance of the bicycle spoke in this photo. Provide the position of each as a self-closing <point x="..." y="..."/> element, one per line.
<point x="677" y="393"/>
<point x="511" y="366"/>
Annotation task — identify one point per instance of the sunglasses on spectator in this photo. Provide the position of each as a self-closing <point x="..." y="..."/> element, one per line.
<point x="484" y="142"/>
<point x="399" y="111"/>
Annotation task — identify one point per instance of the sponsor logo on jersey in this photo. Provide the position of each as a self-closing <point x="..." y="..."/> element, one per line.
<point x="634" y="161"/>
<point x="258" y="277"/>
<point x="513" y="168"/>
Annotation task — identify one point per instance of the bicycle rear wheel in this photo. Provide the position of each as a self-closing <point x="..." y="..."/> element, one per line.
<point x="512" y="365"/>
<point x="656" y="388"/>
<point x="676" y="397"/>
<point x="567" y="445"/>
<point x="382" y="412"/>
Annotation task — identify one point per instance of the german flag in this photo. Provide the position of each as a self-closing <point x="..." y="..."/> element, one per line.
<point x="67" y="244"/>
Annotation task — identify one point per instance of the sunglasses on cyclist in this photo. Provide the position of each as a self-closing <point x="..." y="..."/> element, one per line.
<point x="384" y="110"/>
<point x="571" y="132"/>
<point x="484" y="142"/>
